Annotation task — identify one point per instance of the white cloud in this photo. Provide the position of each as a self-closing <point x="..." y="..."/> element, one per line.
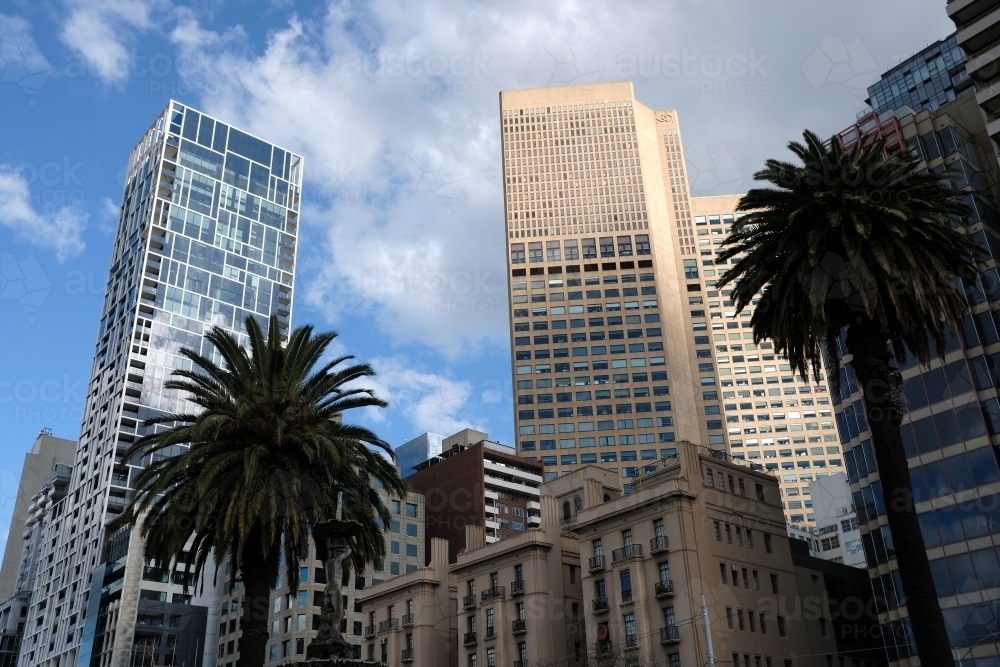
<point x="428" y="401"/>
<point x="102" y="32"/>
<point x="395" y="108"/>
<point x="59" y="229"/>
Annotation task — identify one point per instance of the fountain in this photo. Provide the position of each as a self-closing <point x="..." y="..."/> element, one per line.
<point x="329" y="648"/>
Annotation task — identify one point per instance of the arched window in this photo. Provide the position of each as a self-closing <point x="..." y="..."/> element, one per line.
<point x="566" y="511"/>
<point x="607" y="497"/>
<point x="578" y="504"/>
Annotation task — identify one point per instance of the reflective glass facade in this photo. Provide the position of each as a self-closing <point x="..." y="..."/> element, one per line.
<point x="927" y="80"/>
<point x="206" y="236"/>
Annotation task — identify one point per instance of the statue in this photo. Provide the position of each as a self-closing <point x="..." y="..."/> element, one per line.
<point x="329" y="648"/>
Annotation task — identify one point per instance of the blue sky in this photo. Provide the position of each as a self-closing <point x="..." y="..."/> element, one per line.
<point x="394" y="106"/>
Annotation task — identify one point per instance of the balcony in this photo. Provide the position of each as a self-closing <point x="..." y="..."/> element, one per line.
<point x="600" y="605"/>
<point x="519" y="626"/>
<point x="567" y="520"/>
<point x="664" y="588"/>
<point x="534" y="521"/>
<point x="491" y="632"/>
<point x="517" y="587"/>
<point x="495" y="593"/>
<point x="626" y="553"/>
<point x="658" y="544"/>
<point x="389" y="624"/>
<point x="370" y="631"/>
<point x="407" y="620"/>
<point x="469" y="601"/>
<point x="469" y="639"/>
<point x="603" y="649"/>
<point x="668" y="635"/>
<point x="596" y="563"/>
<point x="407" y="655"/>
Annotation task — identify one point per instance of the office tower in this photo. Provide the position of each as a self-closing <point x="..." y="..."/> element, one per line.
<point x="416" y="451"/>
<point x="586" y="212"/>
<point x="617" y="356"/>
<point x="44" y="479"/>
<point x="928" y="79"/>
<point x="977" y="33"/>
<point x="293" y="620"/>
<point x="46" y="453"/>
<point x="206" y="237"/>
<point x="476" y="482"/>
<point x="952" y="423"/>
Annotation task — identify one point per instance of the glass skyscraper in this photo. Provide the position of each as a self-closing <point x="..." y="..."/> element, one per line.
<point x="927" y="80"/>
<point x="417" y="450"/>
<point x="206" y="236"/>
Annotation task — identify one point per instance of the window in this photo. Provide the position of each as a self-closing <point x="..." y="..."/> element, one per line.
<point x="774" y="584"/>
<point x="781" y="626"/>
<point x="491" y="657"/>
<point x="767" y="542"/>
<point x="724" y="573"/>
<point x="729" y="618"/>
<point x="626" y="581"/>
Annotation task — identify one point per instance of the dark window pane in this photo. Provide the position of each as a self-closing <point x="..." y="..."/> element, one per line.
<point x="909" y="446"/>
<point x="920" y="492"/>
<point x="914" y="396"/>
<point x="949" y="525"/>
<point x="970" y="421"/>
<point x="984" y="465"/>
<point x="957" y="376"/>
<point x="960" y="473"/>
<point x="936" y="474"/>
<point x="942" y="578"/>
<point x="981" y="373"/>
<point x="936" y="385"/>
<point x="948" y="431"/>
<point x="987" y="568"/>
<point x="928" y="528"/>
<point x="924" y="435"/>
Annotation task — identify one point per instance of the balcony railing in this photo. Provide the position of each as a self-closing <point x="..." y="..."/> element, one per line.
<point x="407" y="655"/>
<point x="596" y="563"/>
<point x="469" y="601"/>
<point x="491" y="631"/>
<point x="388" y="624"/>
<point x="469" y="639"/>
<point x="519" y="626"/>
<point x="668" y="635"/>
<point x="631" y="551"/>
<point x="567" y="520"/>
<point x="603" y="648"/>
<point x="370" y="631"/>
<point x="492" y="593"/>
<point x="519" y="663"/>
<point x="407" y="620"/>
<point x="658" y="544"/>
<point x="664" y="588"/>
<point x="601" y="605"/>
<point x="517" y="587"/>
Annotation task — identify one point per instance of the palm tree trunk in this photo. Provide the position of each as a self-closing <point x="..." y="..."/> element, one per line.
<point x="257" y="581"/>
<point x="882" y="390"/>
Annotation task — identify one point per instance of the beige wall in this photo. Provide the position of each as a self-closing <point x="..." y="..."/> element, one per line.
<point x="678" y="495"/>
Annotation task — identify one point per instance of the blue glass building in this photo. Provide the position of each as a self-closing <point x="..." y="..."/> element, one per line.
<point x="928" y="80"/>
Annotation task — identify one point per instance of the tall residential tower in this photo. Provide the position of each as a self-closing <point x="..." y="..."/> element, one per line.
<point x="206" y="237"/>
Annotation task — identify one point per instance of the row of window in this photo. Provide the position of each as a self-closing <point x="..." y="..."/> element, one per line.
<point x="590" y="308"/>
<point x="588" y="411"/>
<point x="582" y="381"/>
<point x="603" y="425"/>
<point x="615" y="320"/>
<point x="599" y="394"/>
<point x="609" y="293"/>
<point x="585" y="248"/>
<point x="595" y="350"/>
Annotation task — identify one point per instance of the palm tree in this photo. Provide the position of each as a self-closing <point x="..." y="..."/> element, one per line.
<point x="241" y="480"/>
<point x="860" y="241"/>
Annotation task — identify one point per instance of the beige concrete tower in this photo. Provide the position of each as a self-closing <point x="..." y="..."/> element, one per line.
<point x="600" y="355"/>
<point x="621" y="341"/>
